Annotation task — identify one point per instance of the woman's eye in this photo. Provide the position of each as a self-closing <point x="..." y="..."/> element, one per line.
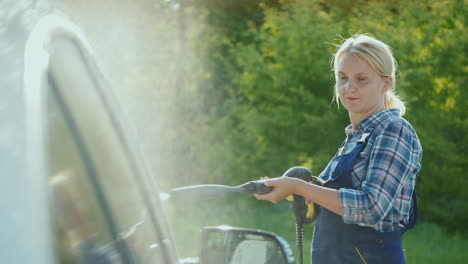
<point x="343" y="78"/>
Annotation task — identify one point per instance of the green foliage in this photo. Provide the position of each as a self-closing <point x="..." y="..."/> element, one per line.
<point x="429" y="40"/>
<point x="278" y="91"/>
<point x="267" y="95"/>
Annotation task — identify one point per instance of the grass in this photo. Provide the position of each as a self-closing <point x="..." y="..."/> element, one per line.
<point x="427" y="243"/>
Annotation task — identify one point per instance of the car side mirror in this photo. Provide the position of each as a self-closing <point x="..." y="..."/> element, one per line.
<point x="229" y="245"/>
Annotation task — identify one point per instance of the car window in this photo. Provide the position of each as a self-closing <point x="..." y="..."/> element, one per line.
<point x="76" y="212"/>
<point x="100" y="210"/>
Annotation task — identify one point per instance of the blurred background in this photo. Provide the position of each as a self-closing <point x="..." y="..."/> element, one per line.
<point x="224" y="92"/>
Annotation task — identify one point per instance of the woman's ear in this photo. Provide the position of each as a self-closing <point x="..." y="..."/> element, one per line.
<point x="388" y="81"/>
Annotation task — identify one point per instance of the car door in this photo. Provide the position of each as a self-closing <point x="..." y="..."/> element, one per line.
<point x="103" y="206"/>
<point x="97" y="203"/>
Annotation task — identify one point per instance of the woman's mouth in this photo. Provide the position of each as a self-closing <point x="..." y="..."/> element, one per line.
<point x="352" y="98"/>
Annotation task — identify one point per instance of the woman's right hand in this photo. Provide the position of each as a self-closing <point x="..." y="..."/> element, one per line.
<point x="282" y="187"/>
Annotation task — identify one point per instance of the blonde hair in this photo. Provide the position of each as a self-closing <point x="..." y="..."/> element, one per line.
<point x="379" y="56"/>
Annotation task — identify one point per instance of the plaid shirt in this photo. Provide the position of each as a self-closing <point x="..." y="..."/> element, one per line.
<point x="384" y="174"/>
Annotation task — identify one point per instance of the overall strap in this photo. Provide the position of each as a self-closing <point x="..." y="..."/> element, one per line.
<point x="341" y="175"/>
<point x="364" y="138"/>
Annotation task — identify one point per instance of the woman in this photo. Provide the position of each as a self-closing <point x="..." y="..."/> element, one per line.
<point x="367" y="191"/>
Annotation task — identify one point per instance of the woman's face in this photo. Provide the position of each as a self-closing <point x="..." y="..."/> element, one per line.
<point x="361" y="88"/>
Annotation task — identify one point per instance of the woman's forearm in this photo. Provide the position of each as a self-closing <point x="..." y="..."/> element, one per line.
<point x="326" y="197"/>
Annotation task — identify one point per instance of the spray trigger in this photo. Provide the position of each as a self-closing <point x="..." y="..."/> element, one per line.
<point x="310" y="211"/>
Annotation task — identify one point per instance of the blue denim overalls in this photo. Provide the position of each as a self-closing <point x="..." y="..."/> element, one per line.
<point x="335" y="242"/>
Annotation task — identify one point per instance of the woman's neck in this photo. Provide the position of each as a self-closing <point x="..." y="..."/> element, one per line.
<point x="357" y="118"/>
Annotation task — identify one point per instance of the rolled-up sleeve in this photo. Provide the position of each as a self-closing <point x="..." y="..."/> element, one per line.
<point x="394" y="159"/>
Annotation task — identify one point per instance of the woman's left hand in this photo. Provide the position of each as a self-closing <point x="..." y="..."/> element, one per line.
<point x="282" y="188"/>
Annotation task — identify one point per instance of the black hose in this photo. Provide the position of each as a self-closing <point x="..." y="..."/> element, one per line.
<point x="299" y="240"/>
<point x="210" y="191"/>
<point x="299" y="206"/>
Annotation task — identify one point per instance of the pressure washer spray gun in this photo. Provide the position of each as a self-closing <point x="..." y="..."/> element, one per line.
<point x="303" y="213"/>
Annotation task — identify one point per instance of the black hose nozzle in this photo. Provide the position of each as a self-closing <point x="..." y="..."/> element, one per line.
<point x="209" y="191"/>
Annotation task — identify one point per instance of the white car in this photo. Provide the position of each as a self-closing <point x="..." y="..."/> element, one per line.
<point x="80" y="193"/>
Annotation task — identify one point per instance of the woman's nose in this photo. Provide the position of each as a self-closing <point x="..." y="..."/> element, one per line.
<point x="350" y="85"/>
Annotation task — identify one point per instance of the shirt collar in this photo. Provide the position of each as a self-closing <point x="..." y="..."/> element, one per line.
<point x="372" y="121"/>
